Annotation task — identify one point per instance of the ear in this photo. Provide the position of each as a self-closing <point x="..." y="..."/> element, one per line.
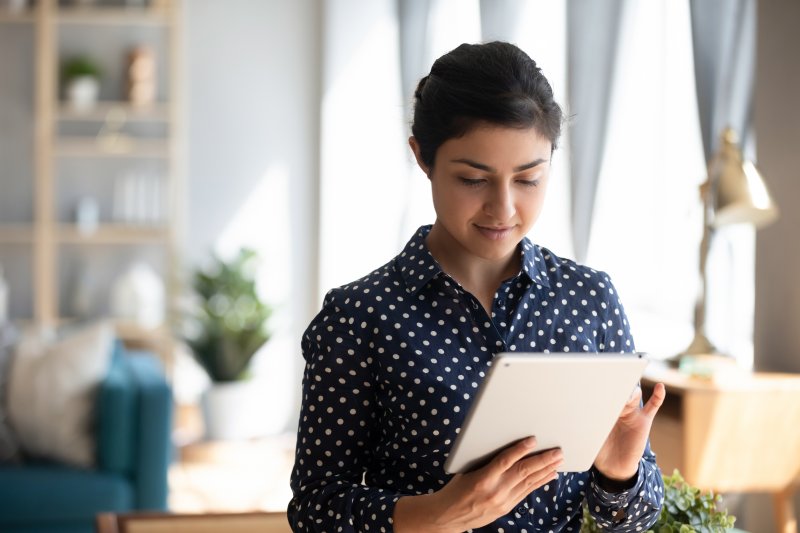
<point x="412" y="142"/>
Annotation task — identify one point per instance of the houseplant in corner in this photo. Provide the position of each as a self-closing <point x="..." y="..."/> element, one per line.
<point x="225" y="329"/>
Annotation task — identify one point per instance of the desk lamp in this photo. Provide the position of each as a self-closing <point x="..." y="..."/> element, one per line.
<point x="734" y="193"/>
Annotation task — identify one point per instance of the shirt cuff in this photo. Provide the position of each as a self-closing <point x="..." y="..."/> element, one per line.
<point x="613" y="485"/>
<point x="613" y="496"/>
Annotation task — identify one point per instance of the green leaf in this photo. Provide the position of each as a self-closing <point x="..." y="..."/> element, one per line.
<point x="228" y="324"/>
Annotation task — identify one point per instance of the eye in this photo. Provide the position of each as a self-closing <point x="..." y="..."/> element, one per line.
<point x="529" y="183"/>
<point x="470" y="182"/>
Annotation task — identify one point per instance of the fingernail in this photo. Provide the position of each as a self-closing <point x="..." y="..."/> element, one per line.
<point x="530" y="442"/>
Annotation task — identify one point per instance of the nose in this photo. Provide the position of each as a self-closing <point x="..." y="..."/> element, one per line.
<point x="500" y="203"/>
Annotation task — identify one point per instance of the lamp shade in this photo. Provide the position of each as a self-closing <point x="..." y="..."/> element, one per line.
<point x="739" y="194"/>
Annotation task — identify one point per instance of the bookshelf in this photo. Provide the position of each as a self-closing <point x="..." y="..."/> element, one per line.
<point x="75" y="153"/>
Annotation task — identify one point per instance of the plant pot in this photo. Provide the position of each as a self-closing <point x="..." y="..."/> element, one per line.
<point x="82" y="92"/>
<point x="234" y="410"/>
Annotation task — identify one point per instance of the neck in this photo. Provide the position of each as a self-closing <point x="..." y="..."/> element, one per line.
<point x="476" y="274"/>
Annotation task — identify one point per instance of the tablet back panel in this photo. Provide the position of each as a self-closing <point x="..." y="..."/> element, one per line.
<point x="567" y="401"/>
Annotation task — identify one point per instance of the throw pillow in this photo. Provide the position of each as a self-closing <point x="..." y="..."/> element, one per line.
<point x="9" y="447"/>
<point x="51" y="394"/>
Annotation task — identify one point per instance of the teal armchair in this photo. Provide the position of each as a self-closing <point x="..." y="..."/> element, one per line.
<point x="133" y="426"/>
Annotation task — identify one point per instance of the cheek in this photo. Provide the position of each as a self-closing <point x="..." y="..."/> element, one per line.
<point x="532" y="204"/>
<point x="452" y="200"/>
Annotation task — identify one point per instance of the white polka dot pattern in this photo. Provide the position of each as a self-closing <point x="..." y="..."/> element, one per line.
<point x="393" y="361"/>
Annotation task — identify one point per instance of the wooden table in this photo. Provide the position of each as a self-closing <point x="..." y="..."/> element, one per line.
<point x="735" y="432"/>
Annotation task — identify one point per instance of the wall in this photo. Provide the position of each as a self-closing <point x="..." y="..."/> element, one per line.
<point x="777" y="121"/>
<point x="252" y="106"/>
<point x="777" y="118"/>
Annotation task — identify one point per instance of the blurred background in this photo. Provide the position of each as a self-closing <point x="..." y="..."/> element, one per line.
<point x="198" y="168"/>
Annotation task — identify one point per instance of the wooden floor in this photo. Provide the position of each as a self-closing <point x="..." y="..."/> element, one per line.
<point x="225" y="476"/>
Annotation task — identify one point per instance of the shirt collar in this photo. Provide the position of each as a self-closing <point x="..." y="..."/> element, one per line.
<point x="417" y="266"/>
<point x="533" y="263"/>
<point x="415" y="263"/>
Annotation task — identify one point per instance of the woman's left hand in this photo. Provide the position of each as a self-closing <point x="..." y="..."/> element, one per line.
<point x="620" y="455"/>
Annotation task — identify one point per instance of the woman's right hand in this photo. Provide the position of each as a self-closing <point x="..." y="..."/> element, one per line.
<point x="478" y="498"/>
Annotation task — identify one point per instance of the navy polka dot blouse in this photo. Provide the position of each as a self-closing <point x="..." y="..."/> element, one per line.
<point x="393" y="361"/>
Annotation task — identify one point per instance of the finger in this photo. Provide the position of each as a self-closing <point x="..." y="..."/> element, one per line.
<point x="534" y="481"/>
<point x="534" y="466"/>
<point x="509" y="457"/>
<point x="656" y="400"/>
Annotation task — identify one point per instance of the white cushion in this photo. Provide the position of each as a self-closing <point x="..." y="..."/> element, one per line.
<point x="52" y="390"/>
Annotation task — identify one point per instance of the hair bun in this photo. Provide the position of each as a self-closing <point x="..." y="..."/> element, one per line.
<point x="421" y="87"/>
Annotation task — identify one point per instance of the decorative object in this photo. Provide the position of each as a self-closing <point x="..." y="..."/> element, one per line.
<point x="87" y="215"/>
<point x="138" y="296"/>
<point x="225" y="330"/>
<point x="734" y="193"/>
<point x="686" y="510"/>
<point x="81" y="78"/>
<point x="51" y="394"/>
<point x="141" y="76"/>
<point x="138" y="198"/>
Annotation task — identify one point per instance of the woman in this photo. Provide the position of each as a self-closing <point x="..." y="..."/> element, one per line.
<point x="394" y="359"/>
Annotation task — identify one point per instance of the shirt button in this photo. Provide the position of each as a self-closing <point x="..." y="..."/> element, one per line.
<point x="521" y="509"/>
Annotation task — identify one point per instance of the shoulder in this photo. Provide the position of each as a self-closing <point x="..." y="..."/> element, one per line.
<point x="372" y="289"/>
<point x="568" y="274"/>
<point x="347" y="310"/>
<point x="571" y="281"/>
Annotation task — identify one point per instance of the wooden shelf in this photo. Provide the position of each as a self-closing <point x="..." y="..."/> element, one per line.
<point x="54" y="239"/>
<point x="114" y="234"/>
<point x="131" y="332"/>
<point x="111" y="15"/>
<point x="16" y="233"/>
<point x="111" y="147"/>
<point x="156" y="113"/>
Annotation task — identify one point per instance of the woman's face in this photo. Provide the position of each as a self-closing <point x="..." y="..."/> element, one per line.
<point x="488" y="188"/>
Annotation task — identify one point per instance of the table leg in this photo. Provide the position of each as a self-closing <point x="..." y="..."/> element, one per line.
<point x="785" y="518"/>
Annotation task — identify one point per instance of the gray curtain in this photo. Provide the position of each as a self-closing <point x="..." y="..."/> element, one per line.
<point x="724" y="40"/>
<point x="499" y="19"/>
<point x="592" y="37"/>
<point x="413" y="29"/>
<point x="412" y="17"/>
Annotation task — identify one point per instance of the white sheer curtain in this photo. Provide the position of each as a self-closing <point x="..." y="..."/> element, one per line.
<point x="362" y="159"/>
<point x="648" y="222"/>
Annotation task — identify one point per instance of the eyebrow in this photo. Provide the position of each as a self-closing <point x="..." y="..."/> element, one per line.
<point x="487" y="168"/>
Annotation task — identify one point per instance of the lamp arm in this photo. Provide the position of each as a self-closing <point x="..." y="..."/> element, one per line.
<point x="700" y="344"/>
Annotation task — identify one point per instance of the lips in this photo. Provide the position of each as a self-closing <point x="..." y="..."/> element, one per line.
<point x="495" y="233"/>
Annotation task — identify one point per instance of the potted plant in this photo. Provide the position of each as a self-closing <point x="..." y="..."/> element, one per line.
<point x="81" y="78"/>
<point x="686" y="510"/>
<point x="225" y="330"/>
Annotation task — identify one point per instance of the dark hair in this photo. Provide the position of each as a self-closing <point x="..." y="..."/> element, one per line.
<point x="494" y="82"/>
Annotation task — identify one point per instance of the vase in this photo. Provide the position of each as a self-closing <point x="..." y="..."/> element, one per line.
<point x="234" y="410"/>
<point x="82" y="92"/>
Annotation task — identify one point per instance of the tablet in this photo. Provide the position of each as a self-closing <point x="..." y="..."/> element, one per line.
<point x="566" y="401"/>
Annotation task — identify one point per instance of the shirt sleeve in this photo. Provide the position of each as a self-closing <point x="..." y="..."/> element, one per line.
<point x="631" y="510"/>
<point x="637" y="508"/>
<point x="336" y="433"/>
